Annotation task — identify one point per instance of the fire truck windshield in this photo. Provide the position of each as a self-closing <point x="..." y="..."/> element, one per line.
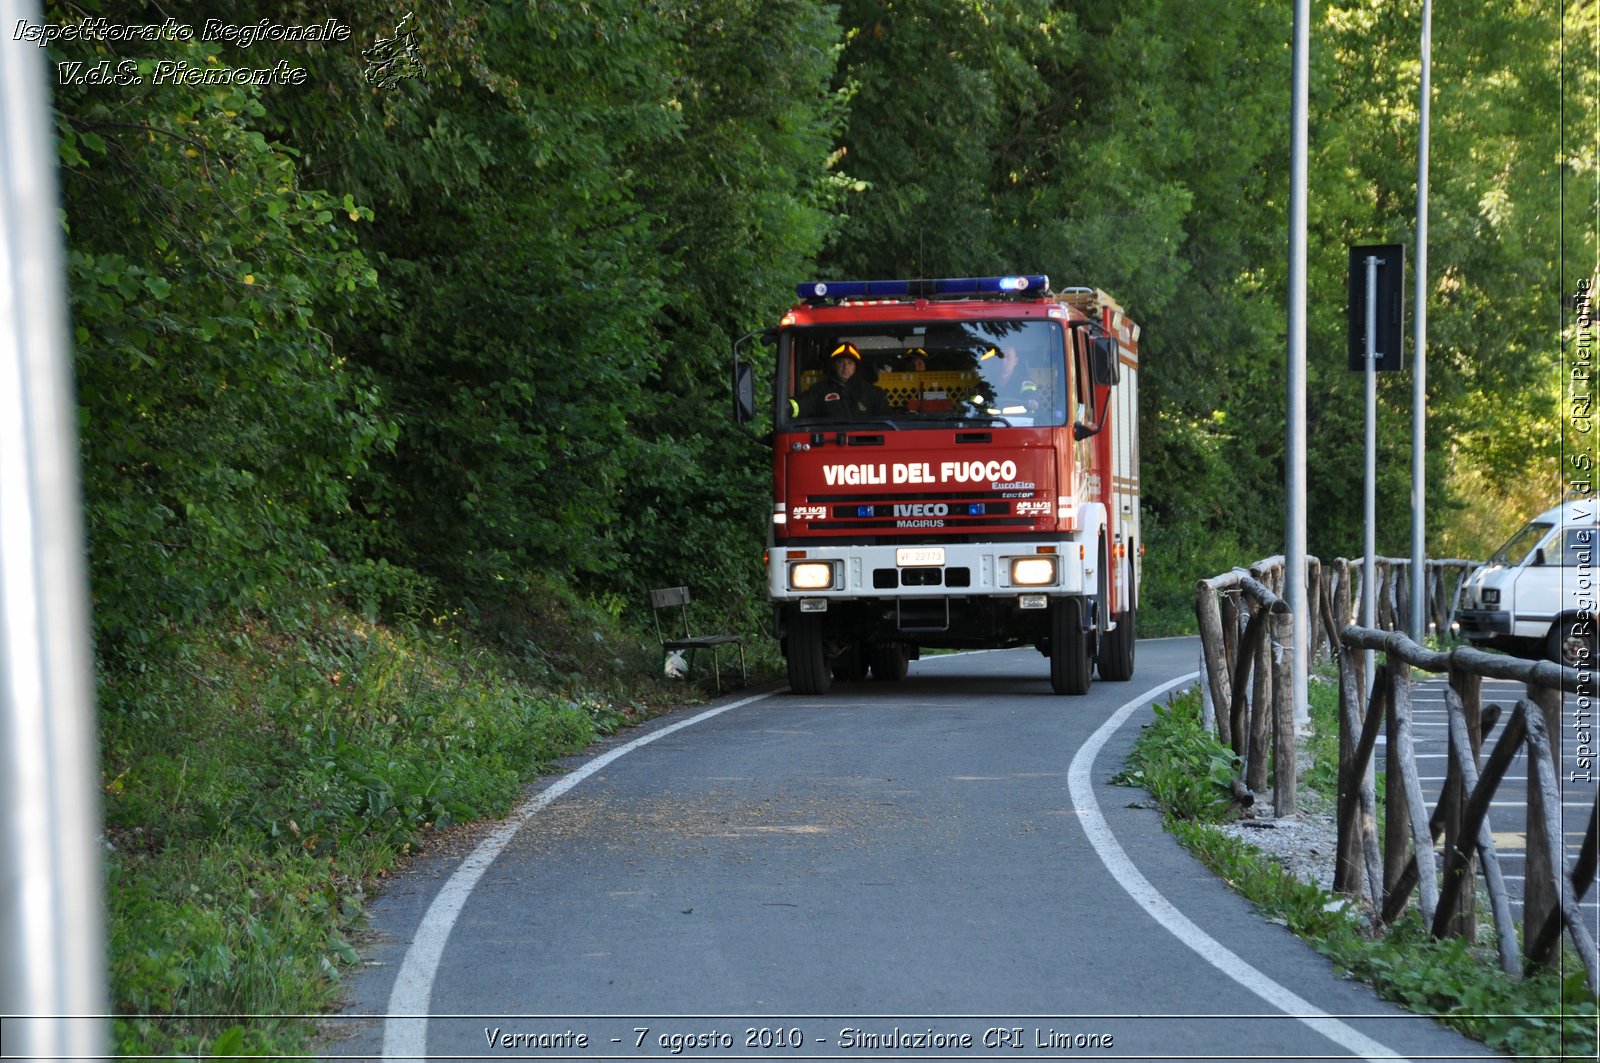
<point x="924" y="374"/>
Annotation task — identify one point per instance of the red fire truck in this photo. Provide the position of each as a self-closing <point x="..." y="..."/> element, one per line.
<point x="955" y="464"/>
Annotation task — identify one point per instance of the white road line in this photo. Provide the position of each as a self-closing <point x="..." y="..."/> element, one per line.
<point x="1167" y="915"/>
<point x="405" y="1031"/>
<point x="1523" y="804"/>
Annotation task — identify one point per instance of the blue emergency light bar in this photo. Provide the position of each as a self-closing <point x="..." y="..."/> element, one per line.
<point x="816" y="291"/>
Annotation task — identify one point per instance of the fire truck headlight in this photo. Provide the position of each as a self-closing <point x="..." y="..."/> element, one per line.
<point x="1033" y="571"/>
<point x="811" y="576"/>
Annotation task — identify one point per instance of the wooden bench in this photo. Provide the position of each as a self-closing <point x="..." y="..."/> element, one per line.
<point x="678" y="598"/>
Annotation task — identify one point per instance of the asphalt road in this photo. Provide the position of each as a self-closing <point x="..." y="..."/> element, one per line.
<point x="932" y="869"/>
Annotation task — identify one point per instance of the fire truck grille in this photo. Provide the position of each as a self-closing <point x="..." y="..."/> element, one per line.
<point x="884" y="579"/>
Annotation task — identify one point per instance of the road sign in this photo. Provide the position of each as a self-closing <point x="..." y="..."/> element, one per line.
<point x="1388" y="342"/>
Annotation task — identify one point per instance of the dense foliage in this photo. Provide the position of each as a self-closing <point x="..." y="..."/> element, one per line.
<point x="421" y="338"/>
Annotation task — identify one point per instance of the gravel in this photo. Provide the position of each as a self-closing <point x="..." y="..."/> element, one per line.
<point x="1303" y="844"/>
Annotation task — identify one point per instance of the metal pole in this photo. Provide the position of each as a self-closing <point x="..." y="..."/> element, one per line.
<point x="1295" y="522"/>
<point x="1369" y="535"/>
<point x="52" y="965"/>
<point x="1419" y="346"/>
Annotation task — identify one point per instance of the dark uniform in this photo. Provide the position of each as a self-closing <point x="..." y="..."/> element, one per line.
<point x="835" y="397"/>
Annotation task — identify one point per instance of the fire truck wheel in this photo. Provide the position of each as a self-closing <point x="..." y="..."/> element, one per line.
<point x="1116" y="646"/>
<point x="808" y="663"/>
<point x="1116" y="650"/>
<point x="851" y="664"/>
<point x="1069" y="648"/>
<point x="890" y="661"/>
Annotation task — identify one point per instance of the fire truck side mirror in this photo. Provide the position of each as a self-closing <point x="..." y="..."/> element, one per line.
<point x="744" y="392"/>
<point x="1105" y="361"/>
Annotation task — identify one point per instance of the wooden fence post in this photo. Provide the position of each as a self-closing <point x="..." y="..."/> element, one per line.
<point x="1313" y="609"/>
<point x="1260" y="702"/>
<point x="1544" y="754"/>
<point x="1437" y="573"/>
<point x="1468" y="688"/>
<point x="1344" y="596"/>
<point x="1232" y="627"/>
<point x="1347" y="863"/>
<point x="1539" y="896"/>
<point x="1394" y="796"/>
<point x="1475" y="830"/>
<point x="1402" y="597"/>
<point x="1358" y="859"/>
<point x="1415" y="804"/>
<point x="1285" y="744"/>
<point x="1332" y="621"/>
<point x="1207" y="612"/>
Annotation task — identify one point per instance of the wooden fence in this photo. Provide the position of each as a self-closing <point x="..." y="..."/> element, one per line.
<point x="1247" y="650"/>
<point x="1247" y="646"/>
<point x="1247" y="658"/>
<point x="1407" y="860"/>
<point x="1392" y="593"/>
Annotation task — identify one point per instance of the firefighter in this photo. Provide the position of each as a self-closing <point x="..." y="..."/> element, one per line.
<point x="843" y="392"/>
<point x="921" y="400"/>
<point x="1011" y="383"/>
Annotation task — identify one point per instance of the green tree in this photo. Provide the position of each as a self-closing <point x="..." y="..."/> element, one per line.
<point x="220" y="419"/>
<point x="1494" y="236"/>
<point x="742" y="199"/>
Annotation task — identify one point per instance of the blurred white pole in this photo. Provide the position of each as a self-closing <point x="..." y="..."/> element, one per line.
<point x="52" y="960"/>
<point x="1369" y="520"/>
<point x="1419" y="348"/>
<point x="1295" y="519"/>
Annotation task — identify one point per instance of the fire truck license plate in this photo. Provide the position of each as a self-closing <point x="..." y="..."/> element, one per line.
<point x="919" y="556"/>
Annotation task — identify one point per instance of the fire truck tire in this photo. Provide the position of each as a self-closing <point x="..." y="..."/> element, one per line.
<point x="1069" y="648"/>
<point x="808" y="659"/>
<point x="1116" y="650"/>
<point x="851" y="665"/>
<point x="1116" y="646"/>
<point x="890" y="661"/>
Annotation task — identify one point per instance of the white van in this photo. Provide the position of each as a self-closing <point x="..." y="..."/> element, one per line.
<point x="1538" y="591"/>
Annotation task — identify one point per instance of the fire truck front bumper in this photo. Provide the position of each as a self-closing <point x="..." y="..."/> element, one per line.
<point x="815" y="574"/>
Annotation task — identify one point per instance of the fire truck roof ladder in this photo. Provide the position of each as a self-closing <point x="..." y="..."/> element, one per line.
<point x="1090" y="301"/>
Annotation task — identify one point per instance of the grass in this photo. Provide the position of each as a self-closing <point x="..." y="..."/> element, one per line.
<point x="1456" y="982"/>
<point x="263" y="776"/>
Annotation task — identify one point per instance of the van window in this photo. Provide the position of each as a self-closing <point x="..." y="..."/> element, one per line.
<point x="1575" y="549"/>
<point x="1521" y="545"/>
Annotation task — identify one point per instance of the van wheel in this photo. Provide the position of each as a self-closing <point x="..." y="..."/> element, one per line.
<point x="1572" y="642"/>
<point x="807" y="658"/>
